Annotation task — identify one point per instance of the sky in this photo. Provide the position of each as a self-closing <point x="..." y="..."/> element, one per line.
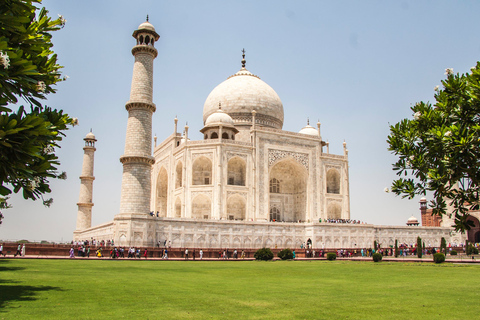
<point x="356" y="66"/>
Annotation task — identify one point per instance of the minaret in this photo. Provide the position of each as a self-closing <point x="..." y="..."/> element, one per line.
<point x="137" y="159"/>
<point x="85" y="204"/>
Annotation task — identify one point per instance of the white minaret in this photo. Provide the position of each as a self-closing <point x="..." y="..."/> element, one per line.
<point x="137" y="159"/>
<point x="85" y="204"/>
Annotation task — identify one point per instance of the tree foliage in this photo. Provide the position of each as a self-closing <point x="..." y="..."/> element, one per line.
<point x="28" y="70"/>
<point x="438" y="150"/>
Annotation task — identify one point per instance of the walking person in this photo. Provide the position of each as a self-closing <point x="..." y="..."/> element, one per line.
<point x="23" y="250"/>
<point x="186" y="254"/>
<point x="72" y="253"/>
<point x="1" y="249"/>
<point x="201" y="254"/>
<point x="19" y="252"/>
<point x="145" y="253"/>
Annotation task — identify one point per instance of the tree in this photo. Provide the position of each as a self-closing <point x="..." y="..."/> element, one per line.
<point x="419" y="247"/>
<point x="438" y="150"/>
<point x="28" y="70"/>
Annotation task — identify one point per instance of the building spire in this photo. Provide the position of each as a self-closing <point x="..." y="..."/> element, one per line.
<point x="243" y="56"/>
<point x="147" y="17"/>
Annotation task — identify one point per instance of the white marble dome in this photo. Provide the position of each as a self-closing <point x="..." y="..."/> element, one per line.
<point x="242" y="93"/>
<point x="90" y="136"/>
<point x="308" y="129"/>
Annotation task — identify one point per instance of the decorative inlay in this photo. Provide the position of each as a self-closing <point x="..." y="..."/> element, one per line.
<point x="240" y="155"/>
<point x="205" y="193"/>
<point x="276" y="155"/>
<point x="231" y="193"/>
<point x="208" y="155"/>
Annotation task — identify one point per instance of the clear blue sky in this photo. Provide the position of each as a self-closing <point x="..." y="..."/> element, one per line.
<point x="354" y="65"/>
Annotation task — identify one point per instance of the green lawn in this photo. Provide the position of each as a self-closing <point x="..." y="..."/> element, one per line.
<point x="79" y="289"/>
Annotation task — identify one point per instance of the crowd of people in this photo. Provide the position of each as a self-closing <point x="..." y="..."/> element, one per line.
<point x="351" y="221"/>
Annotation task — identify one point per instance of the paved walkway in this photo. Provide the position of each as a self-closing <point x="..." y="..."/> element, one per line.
<point x="428" y="259"/>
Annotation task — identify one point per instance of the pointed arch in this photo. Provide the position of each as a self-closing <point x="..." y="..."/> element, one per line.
<point x="288" y="190"/>
<point x="236" y="169"/>
<point x="162" y="192"/>
<point x="178" y="208"/>
<point x="236" y="207"/>
<point x="201" y="207"/>
<point x="334" y="211"/>
<point x="178" y="175"/>
<point x="202" y="171"/>
<point x="333" y="181"/>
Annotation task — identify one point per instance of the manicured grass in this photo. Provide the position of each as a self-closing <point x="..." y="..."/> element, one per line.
<point x="79" y="289"/>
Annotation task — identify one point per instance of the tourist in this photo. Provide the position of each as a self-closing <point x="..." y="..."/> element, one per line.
<point x="145" y="253"/>
<point x="72" y="253"/>
<point x="88" y="252"/>
<point x="243" y="254"/>
<point x="166" y="254"/>
<point x="19" y="252"/>
<point x="23" y="250"/>
<point x="201" y="254"/>
<point x="193" y="254"/>
<point x="186" y="254"/>
<point x="293" y="254"/>
<point x="1" y="249"/>
<point x="235" y="254"/>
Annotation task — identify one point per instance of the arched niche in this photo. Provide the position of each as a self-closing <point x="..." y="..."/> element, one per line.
<point x="236" y="208"/>
<point x="201" y="207"/>
<point x="178" y="175"/>
<point x="236" y="169"/>
<point x="162" y="192"/>
<point x="202" y="171"/>
<point x="333" y="181"/>
<point x="178" y="208"/>
<point x="334" y="211"/>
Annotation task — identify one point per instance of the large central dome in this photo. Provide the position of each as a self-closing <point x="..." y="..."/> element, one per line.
<point x="242" y="93"/>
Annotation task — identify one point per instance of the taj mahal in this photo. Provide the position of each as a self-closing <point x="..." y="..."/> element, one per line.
<point x="247" y="184"/>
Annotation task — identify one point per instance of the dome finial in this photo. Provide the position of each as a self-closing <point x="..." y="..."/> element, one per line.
<point x="219" y="106"/>
<point x="308" y="121"/>
<point x="243" y="56"/>
<point x="147" y="17"/>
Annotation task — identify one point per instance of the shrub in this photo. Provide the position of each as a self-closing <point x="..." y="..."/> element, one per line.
<point x="285" y="254"/>
<point x="472" y="249"/>
<point x="331" y="256"/>
<point x="439" y="257"/>
<point x="263" y="254"/>
<point x="396" y="248"/>
<point x="377" y="257"/>
<point x="453" y="253"/>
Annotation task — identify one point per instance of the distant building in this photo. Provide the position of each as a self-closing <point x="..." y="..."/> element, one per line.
<point x="427" y="219"/>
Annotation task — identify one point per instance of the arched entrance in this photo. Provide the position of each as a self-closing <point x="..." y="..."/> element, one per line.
<point x="288" y="191"/>
<point x="474" y="232"/>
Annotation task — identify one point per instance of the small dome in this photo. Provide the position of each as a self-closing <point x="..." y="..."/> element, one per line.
<point x="146" y="25"/>
<point x="308" y="129"/>
<point x="218" y="117"/>
<point x="412" y="220"/>
<point x="90" y="136"/>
